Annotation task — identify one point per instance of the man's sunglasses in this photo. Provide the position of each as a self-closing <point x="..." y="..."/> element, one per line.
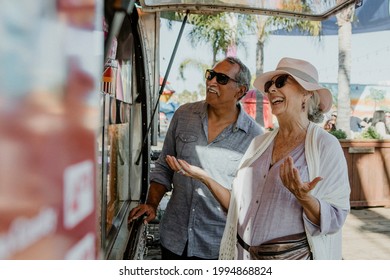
<point x="222" y="79"/>
<point x="279" y="82"/>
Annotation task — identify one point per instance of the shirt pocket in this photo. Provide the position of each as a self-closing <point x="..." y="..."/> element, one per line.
<point x="186" y="144"/>
<point x="233" y="160"/>
<point x="223" y="167"/>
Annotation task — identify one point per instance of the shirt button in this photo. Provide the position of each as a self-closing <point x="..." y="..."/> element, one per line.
<point x="193" y="210"/>
<point x="257" y="201"/>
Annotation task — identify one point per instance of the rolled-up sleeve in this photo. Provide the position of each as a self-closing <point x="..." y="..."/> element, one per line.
<point x="331" y="220"/>
<point x="161" y="173"/>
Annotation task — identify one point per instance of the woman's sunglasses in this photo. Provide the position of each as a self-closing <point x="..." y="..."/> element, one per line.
<point x="222" y="79"/>
<point x="279" y="82"/>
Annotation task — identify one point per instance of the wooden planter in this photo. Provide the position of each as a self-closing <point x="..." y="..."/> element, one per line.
<point x="369" y="171"/>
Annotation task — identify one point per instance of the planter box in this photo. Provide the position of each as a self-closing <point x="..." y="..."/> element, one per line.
<point x="369" y="171"/>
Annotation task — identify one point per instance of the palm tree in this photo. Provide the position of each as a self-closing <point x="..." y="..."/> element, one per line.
<point x="344" y="19"/>
<point x="261" y="23"/>
<point x="221" y="31"/>
<point x="265" y="25"/>
<point x="218" y="30"/>
<point x="194" y="63"/>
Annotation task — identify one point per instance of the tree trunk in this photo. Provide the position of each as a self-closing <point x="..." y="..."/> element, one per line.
<point x="215" y="52"/>
<point x="232" y="49"/>
<point x="344" y="71"/>
<point x="260" y="66"/>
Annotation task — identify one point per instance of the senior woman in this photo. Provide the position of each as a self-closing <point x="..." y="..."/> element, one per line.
<point x="290" y="197"/>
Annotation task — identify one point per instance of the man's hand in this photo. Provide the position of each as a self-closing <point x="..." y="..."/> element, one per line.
<point x="143" y="209"/>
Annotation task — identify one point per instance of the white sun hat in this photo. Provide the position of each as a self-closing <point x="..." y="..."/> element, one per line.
<point x="304" y="73"/>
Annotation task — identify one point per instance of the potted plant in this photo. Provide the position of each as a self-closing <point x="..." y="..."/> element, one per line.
<point x="339" y="134"/>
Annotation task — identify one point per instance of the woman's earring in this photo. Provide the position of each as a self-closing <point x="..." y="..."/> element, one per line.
<point x="303" y="106"/>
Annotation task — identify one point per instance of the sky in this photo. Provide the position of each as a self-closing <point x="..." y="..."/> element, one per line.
<point x="370" y="56"/>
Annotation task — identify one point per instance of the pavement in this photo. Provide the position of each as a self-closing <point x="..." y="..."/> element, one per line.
<point x="366" y="234"/>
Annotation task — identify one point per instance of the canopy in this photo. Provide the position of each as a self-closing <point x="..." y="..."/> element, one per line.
<point x="372" y="16"/>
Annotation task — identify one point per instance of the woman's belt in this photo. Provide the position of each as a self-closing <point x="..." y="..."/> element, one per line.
<point x="291" y="247"/>
<point x="242" y="243"/>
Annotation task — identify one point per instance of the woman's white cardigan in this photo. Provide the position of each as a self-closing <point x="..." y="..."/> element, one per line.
<point x="325" y="158"/>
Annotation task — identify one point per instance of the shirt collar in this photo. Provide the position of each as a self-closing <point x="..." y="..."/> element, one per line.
<point x="243" y="121"/>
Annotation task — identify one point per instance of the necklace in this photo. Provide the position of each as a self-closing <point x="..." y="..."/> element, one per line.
<point x="283" y="147"/>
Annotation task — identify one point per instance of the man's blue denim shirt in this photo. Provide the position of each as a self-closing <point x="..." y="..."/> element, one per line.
<point x="193" y="215"/>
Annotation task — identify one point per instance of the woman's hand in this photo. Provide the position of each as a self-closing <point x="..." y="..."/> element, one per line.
<point x="182" y="167"/>
<point x="291" y="179"/>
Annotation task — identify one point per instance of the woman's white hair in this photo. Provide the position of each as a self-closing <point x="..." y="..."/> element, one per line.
<point x="313" y="110"/>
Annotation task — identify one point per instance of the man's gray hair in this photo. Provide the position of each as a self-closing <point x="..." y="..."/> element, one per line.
<point x="243" y="77"/>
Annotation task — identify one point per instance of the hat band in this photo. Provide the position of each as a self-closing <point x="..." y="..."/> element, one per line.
<point x="299" y="74"/>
